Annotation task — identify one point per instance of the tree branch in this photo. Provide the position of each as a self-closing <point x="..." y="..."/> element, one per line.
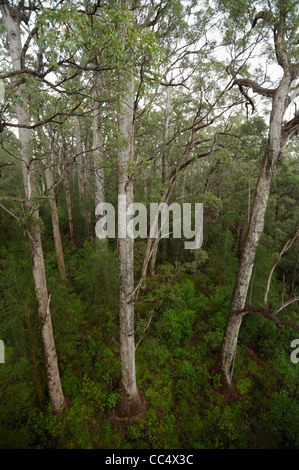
<point x="9" y="212"/>
<point x="11" y="198"/>
<point x="284" y="305"/>
<point x="268" y="92"/>
<point x="6" y="164"/>
<point x="271" y="316"/>
<point x="152" y="22"/>
<point x="294" y="95"/>
<point x="26" y="45"/>
<point x="286" y="246"/>
<point x="290" y="127"/>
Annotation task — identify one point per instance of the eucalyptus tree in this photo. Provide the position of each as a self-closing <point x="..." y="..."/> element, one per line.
<point x="37" y="64"/>
<point x="114" y="36"/>
<point x="130" y="403"/>
<point x="269" y="29"/>
<point x="48" y="164"/>
<point x="203" y="110"/>
<point x="12" y="16"/>
<point x="83" y="169"/>
<point x="138" y="48"/>
<point x="98" y="145"/>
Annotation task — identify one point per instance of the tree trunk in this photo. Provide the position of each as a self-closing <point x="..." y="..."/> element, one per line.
<point x="130" y="403"/>
<point x="99" y="176"/>
<point x="12" y="25"/>
<point x="55" y="223"/>
<point x="167" y="113"/>
<point x="81" y="176"/>
<point x="69" y="204"/>
<point x="273" y="154"/>
<point x="53" y="205"/>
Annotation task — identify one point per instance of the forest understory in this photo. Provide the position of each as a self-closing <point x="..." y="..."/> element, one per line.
<point x="147" y="342"/>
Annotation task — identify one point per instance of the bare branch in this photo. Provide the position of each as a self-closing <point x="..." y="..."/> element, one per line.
<point x="285" y="304"/>
<point x="26" y="45"/>
<point x="290" y="127"/>
<point x="268" y="92"/>
<point x="294" y="95"/>
<point x="6" y="164"/>
<point x="262" y="15"/>
<point x="159" y="8"/>
<point x="9" y="212"/>
<point x="11" y="198"/>
<point x="271" y="316"/>
<point x="286" y="246"/>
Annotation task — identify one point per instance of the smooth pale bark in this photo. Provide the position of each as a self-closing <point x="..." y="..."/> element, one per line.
<point x="99" y="176"/>
<point x="273" y="153"/>
<point x="55" y="222"/>
<point x="130" y="403"/>
<point x="152" y="242"/>
<point x="81" y="175"/>
<point x="12" y="27"/>
<point x="167" y="114"/>
<point x="79" y="159"/>
<point x="98" y="157"/>
<point x="53" y="206"/>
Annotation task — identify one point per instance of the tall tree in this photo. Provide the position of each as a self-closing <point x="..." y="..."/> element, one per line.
<point x="12" y="17"/>
<point x="48" y="163"/>
<point x="130" y="396"/>
<point x="83" y="168"/>
<point x="98" y="141"/>
<point x="281" y="21"/>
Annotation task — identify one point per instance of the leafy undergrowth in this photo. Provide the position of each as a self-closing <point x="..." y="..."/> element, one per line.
<point x="181" y="407"/>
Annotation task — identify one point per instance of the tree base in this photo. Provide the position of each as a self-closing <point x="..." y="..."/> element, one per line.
<point x="129" y="405"/>
<point x="227" y="389"/>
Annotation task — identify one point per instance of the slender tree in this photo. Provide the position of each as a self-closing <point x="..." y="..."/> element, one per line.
<point x="12" y="18"/>
<point x="283" y="25"/>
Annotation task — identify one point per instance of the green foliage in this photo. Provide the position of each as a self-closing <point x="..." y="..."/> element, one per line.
<point x="180" y="316"/>
<point x="176" y="326"/>
<point x="283" y="418"/>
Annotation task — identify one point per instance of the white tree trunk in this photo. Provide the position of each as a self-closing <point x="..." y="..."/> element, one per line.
<point x="130" y="396"/>
<point x="81" y="176"/>
<point x="52" y="203"/>
<point x="167" y="114"/>
<point x="99" y="176"/>
<point x="55" y="221"/>
<point x="12" y="26"/>
<point x="273" y="154"/>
